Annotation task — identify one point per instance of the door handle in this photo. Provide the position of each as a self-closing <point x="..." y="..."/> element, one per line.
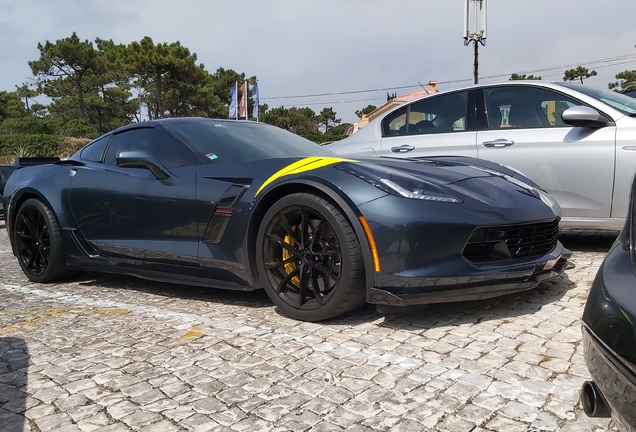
<point x="402" y="149"/>
<point x="498" y="143"/>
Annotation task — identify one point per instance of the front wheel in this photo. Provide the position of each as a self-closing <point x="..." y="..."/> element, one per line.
<point x="39" y="243"/>
<point x="309" y="258"/>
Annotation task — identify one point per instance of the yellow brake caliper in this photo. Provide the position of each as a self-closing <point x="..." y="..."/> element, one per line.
<point x="290" y="267"/>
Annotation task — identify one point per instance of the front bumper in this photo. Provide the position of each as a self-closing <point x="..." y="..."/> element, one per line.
<point x="487" y="281"/>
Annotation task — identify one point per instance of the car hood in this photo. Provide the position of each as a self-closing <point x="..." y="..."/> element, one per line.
<point x="445" y="170"/>
<point x="471" y="178"/>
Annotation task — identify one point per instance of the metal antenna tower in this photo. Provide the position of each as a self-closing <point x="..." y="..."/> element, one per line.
<point x="475" y="29"/>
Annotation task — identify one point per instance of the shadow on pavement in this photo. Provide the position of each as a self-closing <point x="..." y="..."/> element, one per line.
<point x="458" y="313"/>
<point x="587" y="241"/>
<point x="253" y="299"/>
<point x="424" y="316"/>
<point x="433" y="315"/>
<point x="14" y="366"/>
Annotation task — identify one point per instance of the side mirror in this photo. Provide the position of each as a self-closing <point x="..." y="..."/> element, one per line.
<point x="141" y="159"/>
<point x="583" y="116"/>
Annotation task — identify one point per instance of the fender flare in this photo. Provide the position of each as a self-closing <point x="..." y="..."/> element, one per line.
<point x="349" y="209"/>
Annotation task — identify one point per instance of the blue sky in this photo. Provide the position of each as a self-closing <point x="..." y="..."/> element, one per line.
<point x="298" y="47"/>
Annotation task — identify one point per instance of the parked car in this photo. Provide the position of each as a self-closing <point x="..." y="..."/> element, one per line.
<point x="609" y="331"/>
<point x="578" y="143"/>
<point x="243" y="205"/>
<point x="5" y="172"/>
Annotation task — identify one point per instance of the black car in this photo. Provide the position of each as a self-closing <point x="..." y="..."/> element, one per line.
<point x="5" y="172"/>
<point x="244" y="205"/>
<point x="609" y="331"/>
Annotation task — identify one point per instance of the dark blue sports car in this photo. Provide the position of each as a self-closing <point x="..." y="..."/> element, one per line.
<point x="244" y="205"/>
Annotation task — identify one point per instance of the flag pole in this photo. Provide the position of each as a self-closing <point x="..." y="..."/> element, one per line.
<point x="246" y="115"/>
<point x="237" y="108"/>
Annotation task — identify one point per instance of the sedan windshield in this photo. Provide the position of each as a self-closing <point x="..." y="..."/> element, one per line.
<point x="625" y="104"/>
<point x="236" y="141"/>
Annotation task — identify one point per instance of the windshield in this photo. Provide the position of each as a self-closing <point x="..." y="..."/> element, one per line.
<point x="630" y="93"/>
<point x="624" y="104"/>
<point x="235" y="141"/>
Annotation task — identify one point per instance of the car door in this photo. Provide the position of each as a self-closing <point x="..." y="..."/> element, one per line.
<point x="436" y="125"/>
<point x="128" y="212"/>
<point x="526" y="131"/>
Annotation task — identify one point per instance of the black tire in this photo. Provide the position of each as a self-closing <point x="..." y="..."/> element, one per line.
<point x="39" y="243"/>
<point x="309" y="258"/>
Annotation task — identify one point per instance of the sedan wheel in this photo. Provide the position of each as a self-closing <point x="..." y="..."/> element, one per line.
<point x="309" y="259"/>
<point x="38" y="243"/>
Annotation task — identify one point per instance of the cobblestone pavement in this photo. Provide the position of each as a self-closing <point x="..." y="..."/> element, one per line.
<point x="111" y="353"/>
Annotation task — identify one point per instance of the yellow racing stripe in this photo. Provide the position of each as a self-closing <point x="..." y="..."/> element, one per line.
<point x="306" y="164"/>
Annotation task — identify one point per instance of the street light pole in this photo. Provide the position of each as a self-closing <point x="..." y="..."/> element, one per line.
<point x="475" y="29"/>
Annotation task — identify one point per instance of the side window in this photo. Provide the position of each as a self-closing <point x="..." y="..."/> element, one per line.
<point x="154" y="141"/>
<point x="435" y="114"/>
<point x="439" y="114"/>
<point x="395" y="124"/>
<point x="94" y="151"/>
<point x="554" y="108"/>
<point x="525" y="107"/>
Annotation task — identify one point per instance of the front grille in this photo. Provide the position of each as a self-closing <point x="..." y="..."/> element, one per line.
<point x="496" y="243"/>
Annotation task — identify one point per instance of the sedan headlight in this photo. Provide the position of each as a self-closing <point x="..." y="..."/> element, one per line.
<point x="398" y="183"/>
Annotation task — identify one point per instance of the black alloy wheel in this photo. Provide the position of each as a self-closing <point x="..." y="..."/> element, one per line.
<point x="310" y="259"/>
<point x="38" y="242"/>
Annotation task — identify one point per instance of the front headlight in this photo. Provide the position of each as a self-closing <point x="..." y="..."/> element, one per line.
<point x="398" y="183"/>
<point x="550" y="202"/>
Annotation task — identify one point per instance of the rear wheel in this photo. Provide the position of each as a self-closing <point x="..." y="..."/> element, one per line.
<point x="309" y="258"/>
<point x="39" y="243"/>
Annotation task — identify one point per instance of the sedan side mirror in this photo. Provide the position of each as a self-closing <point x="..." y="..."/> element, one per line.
<point x="583" y="116"/>
<point x="141" y="159"/>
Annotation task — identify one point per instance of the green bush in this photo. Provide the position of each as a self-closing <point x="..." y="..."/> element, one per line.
<point x="32" y="144"/>
<point x="68" y="146"/>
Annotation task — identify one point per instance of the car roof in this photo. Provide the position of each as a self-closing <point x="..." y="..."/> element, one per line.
<point x="156" y="122"/>
<point x="570" y="88"/>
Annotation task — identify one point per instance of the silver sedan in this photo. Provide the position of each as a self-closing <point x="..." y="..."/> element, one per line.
<point x="576" y="142"/>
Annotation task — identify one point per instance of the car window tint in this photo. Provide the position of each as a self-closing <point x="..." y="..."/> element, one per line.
<point x="553" y="110"/>
<point x="438" y="114"/>
<point x="525" y="107"/>
<point x="395" y="123"/>
<point x="630" y="93"/>
<point x="621" y="102"/>
<point x="93" y="152"/>
<point x="154" y="141"/>
<point x="224" y="141"/>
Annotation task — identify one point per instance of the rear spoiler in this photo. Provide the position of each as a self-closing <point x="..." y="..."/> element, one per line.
<point x="22" y="162"/>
